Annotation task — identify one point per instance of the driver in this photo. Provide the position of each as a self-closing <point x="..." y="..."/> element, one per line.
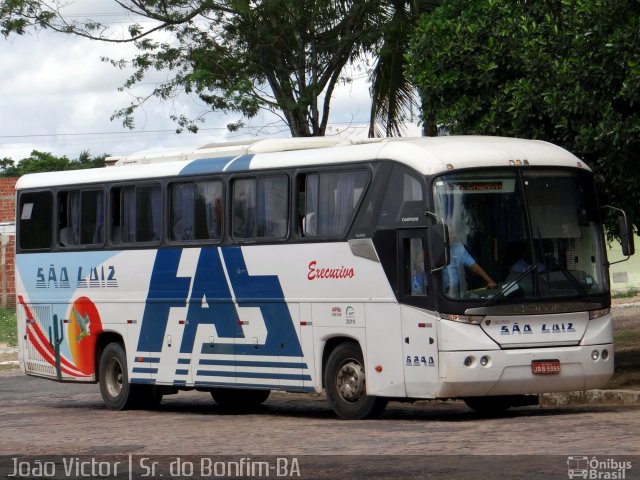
<point x="460" y="258"/>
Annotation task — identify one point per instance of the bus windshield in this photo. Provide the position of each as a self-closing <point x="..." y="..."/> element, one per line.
<point x="534" y="233"/>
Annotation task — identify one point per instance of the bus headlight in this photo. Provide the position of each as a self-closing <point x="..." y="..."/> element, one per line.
<point x="593" y="314"/>
<point x="470" y="319"/>
<point x="595" y="355"/>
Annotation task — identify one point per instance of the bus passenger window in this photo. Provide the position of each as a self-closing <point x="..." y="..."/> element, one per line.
<point x="81" y="217"/>
<point x="330" y="201"/>
<point x="36" y="220"/>
<point x="116" y="231"/>
<point x="196" y="211"/>
<point x="260" y="208"/>
<point x="141" y="214"/>
<point x="244" y="203"/>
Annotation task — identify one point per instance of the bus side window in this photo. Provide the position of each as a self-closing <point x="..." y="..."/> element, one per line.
<point x="141" y="213"/>
<point x="81" y="217"/>
<point x="244" y="205"/>
<point x="415" y="268"/>
<point x="36" y="220"/>
<point x="63" y="217"/>
<point x="115" y="215"/>
<point x="403" y="204"/>
<point x="329" y="201"/>
<point x="195" y="211"/>
<point x="260" y="208"/>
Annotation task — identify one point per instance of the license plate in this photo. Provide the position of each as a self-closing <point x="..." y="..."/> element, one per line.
<point x="545" y="367"/>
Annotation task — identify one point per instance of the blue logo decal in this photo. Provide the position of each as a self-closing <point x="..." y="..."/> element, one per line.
<point x="211" y="302"/>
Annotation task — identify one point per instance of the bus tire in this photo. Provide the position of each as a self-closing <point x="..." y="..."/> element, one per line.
<point x="115" y="388"/>
<point x="238" y="398"/>
<point x="496" y="405"/>
<point x="345" y="385"/>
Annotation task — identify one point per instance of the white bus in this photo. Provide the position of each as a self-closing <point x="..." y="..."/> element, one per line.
<point x="423" y="268"/>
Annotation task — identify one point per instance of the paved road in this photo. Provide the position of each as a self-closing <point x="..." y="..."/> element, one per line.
<point x="40" y="417"/>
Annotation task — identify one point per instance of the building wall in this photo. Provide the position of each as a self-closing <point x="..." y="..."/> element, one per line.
<point x="7" y="241"/>
<point x="624" y="275"/>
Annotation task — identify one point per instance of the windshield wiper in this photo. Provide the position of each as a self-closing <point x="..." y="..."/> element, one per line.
<point x="510" y="286"/>
<point x="573" y="280"/>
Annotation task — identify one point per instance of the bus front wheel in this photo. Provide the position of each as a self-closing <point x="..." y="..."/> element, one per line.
<point x="345" y="385"/>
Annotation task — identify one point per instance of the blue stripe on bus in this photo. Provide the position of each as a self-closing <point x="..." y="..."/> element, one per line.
<point x="206" y="165"/>
<point x="239" y="164"/>
<point x="252" y="385"/>
<point x="144" y="370"/>
<point x="142" y="359"/>
<point x="273" y="376"/>
<point x="145" y="381"/>
<point x="239" y="363"/>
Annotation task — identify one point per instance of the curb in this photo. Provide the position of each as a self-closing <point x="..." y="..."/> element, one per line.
<point x="590" y="397"/>
<point x="9" y="357"/>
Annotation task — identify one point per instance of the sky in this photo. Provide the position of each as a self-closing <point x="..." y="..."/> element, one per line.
<point x="57" y="96"/>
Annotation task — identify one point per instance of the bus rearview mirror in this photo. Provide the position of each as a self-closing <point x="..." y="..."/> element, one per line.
<point x="625" y="231"/>
<point x="439" y="250"/>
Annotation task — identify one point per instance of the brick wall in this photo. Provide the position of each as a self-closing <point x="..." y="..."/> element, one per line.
<point x="7" y="215"/>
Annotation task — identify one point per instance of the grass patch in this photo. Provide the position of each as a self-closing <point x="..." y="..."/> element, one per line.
<point x="8" y="326"/>
<point x="632" y="292"/>
<point x="625" y="339"/>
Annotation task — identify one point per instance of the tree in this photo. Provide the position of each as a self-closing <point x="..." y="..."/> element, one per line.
<point x="47" y="162"/>
<point x="563" y="71"/>
<point x="240" y="56"/>
<point x="392" y="93"/>
<point x="6" y="164"/>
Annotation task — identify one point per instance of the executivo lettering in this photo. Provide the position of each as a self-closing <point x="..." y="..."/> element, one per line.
<point x="316" y="273"/>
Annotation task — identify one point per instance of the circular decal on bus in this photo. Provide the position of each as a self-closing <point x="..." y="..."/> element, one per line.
<point x="84" y="326"/>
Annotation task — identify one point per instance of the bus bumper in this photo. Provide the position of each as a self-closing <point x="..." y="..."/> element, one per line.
<point x="510" y="372"/>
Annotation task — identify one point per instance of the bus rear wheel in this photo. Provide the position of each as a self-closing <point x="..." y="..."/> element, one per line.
<point x="115" y="388"/>
<point x="117" y="392"/>
<point x="345" y="385"/>
<point x="239" y="398"/>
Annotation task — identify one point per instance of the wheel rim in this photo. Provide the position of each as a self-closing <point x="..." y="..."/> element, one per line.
<point x="350" y="381"/>
<point x="113" y="377"/>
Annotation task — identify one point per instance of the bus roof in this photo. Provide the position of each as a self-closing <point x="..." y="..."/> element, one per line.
<point x="428" y="155"/>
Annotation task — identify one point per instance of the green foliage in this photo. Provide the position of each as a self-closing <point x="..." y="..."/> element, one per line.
<point x="392" y="93"/>
<point x="47" y="162"/>
<point x="630" y="293"/>
<point x="563" y="71"/>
